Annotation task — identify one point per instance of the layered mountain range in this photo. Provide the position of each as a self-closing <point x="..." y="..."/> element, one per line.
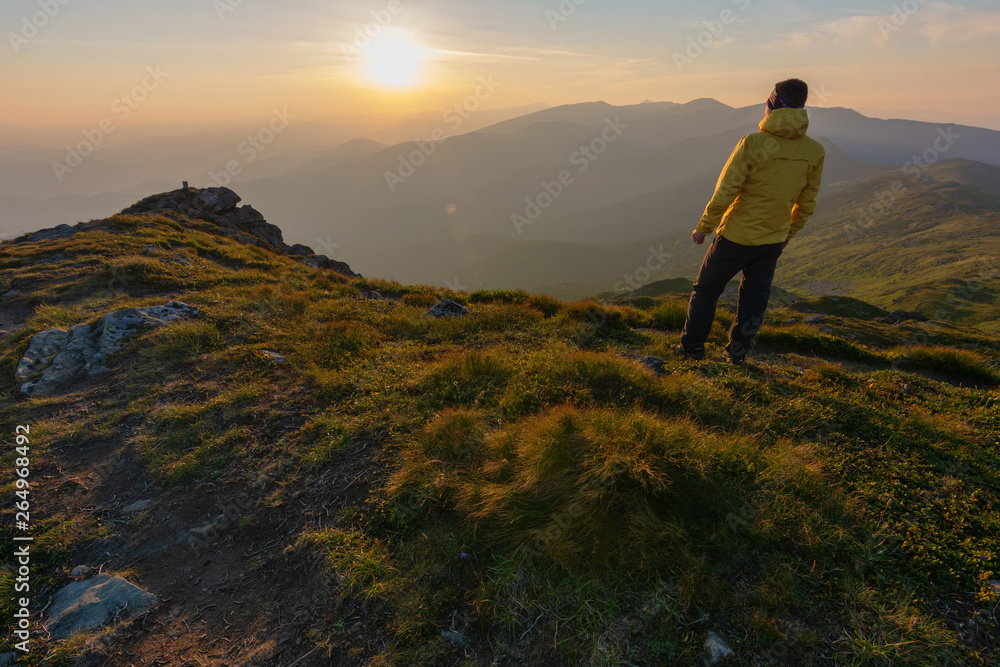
<point x="571" y="200"/>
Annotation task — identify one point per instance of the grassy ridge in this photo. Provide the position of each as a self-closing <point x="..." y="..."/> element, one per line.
<point x="925" y="244"/>
<point x="546" y="498"/>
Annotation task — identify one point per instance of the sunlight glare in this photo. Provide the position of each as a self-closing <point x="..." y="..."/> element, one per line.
<point x="395" y="60"/>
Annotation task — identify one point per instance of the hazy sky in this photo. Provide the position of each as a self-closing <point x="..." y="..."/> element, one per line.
<point x="205" y="61"/>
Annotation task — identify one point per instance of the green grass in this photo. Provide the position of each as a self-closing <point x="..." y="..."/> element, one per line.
<point x="948" y="361"/>
<point x="835" y="502"/>
<point x="801" y="338"/>
<point x="669" y="316"/>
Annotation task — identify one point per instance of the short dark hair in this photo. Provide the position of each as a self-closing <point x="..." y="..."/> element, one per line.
<point x="793" y="91"/>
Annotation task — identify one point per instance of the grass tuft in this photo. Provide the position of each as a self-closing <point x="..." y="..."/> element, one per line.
<point x="951" y="362"/>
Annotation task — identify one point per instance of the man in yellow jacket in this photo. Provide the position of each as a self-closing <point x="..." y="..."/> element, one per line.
<point x="766" y="193"/>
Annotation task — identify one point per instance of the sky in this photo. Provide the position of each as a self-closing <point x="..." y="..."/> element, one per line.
<point x="74" y="63"/>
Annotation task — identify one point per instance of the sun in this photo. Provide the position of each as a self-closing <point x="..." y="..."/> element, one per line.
<point x="395" y="60"/>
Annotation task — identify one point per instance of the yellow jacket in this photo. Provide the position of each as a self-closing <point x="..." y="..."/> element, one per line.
<point x="768" y="188"/>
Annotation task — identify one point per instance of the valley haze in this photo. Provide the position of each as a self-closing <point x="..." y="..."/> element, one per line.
<point x="564" y="199"/>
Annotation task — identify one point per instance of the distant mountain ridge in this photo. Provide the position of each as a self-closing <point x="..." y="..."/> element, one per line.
<point x="449" y="211"/>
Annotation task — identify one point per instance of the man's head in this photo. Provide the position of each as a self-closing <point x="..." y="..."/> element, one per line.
<point x="791" y="93"/>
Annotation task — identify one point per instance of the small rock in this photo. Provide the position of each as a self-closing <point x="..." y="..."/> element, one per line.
<point x="80" y="571"/>
<point x="716" y="648"/>
<point x="815" y="319"/>
<point x="148" y="249"/>
<point x="11" y="293"/>
<point x="275" y="357"/>
<point x="52" y="260"/>
<point x="898" y="316"/>
<point x="7" y="659"/>
<point x="456" y="638"/>
<point x="138" y="506"/>
<point x="995" y="583"/>
<point x="448" y="308"/>
<point x="652" y="363"/>
<point x="91" y="603"/>
<point x="373" y="295"/>
<point x="827" y="330"/>
<point x="209" y="532"/>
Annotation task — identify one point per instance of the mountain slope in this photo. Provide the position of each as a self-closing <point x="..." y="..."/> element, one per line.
<point x="327" y="476"/>
<point x="305" y="177"/>
<point x="928" y="244"/>
<point x="898" y="141"/>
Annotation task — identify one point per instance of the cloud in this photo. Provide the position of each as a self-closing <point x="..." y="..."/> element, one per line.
<point x="934" y="22"/>
<point x="849" y="31"/>
<point x="949" y="23"/>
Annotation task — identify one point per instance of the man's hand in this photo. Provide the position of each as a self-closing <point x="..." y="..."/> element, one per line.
<point x="697" y="237"/>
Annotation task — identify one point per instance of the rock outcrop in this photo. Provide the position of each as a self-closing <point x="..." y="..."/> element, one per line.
<point x="244" y="223"/>
<point x="214" y="205"/>
<point x="62" y="356"/>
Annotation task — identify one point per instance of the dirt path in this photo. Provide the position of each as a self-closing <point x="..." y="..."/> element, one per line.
<point x="228" y="592"/>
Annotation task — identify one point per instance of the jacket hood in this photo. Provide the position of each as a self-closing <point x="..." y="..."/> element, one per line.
<point x="786" y="122"/>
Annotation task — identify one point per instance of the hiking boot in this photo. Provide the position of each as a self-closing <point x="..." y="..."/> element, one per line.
<point x="734" y="359"/>
<point x="696" y="353"/>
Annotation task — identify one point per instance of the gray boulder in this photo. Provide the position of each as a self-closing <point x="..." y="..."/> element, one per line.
<point x="64" y="356"/>
<point x="716" y="648"/>
<point x="448" y="308"/>
<point x="42" y="348"/>
<point x="324" y="262"/>
<point x="91" y="603"/>
<point x="301" y="250"/>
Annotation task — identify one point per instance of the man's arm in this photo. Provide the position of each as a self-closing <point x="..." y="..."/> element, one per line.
<point x="806" y="203"/>
<point x="731" y="181"/>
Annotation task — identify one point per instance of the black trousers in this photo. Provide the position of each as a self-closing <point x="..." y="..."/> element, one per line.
<point x="722" y="262"/>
